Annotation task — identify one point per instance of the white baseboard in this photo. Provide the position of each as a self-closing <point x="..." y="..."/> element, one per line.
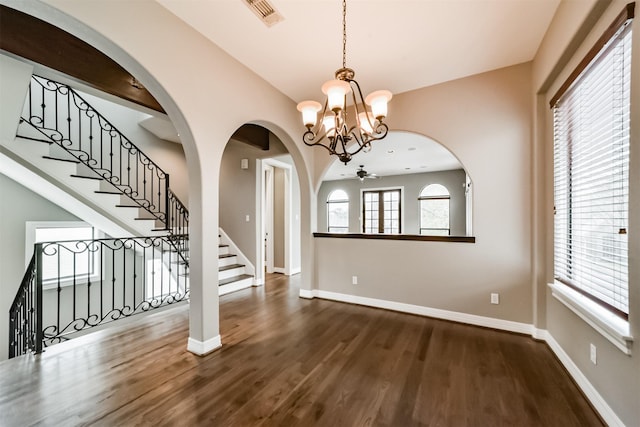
<point x="278" y="270"/>
<point x="201" y="348"/>
<point x="598" y="402"/>
<point x="258" y="282"/>
<point x="471" y="319"/>
<point x="539" y="334"/>
<point x="308" y="294"/>
<point x="296" y="271"/>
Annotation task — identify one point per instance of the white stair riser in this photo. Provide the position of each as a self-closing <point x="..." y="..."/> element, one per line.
<point x="230" y="273"/>
<point x="235" y="286"/>
<point x="227" y="261"/>
<point x="223" y="250"/>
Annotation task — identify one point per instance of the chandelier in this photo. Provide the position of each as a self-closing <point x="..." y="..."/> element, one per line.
<point x="345" y="135"/>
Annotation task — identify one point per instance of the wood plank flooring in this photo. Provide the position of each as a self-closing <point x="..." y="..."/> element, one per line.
<point x="287" y="361"/>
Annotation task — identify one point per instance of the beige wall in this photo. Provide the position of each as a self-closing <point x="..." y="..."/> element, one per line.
<point x="485" y="121"/>
<point x="238" y="192"/>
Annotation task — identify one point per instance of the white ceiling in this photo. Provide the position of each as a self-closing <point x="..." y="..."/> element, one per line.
<point x="399" y="45"/>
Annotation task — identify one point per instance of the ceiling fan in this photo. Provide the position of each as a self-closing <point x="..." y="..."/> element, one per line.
<point x="362" y="174"/>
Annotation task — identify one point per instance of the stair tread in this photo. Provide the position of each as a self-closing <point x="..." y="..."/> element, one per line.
<point x="230" y="267"/>
<point x="226" y="255"/>
<point x="234" y="279"/>
<point x="117" y="193"/>
<point x="87" y="177"/>
<point x="223" y="246"/>
<point x="127" y="206"/>
<point x="61" y="160"/>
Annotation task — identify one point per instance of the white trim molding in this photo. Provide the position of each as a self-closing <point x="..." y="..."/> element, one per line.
<point x="471" y="319"/>
<point x="200" y="348"/>
<point x="610" y="326"/>
<point x="308" y="293"/>
<point x="598" y="402"/>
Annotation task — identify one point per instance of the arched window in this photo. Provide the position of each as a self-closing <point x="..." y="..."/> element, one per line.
<point x="434" y="210"/>
<point x="338" y="212"/>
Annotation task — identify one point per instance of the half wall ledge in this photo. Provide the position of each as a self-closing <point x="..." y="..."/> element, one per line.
<point x="416" y="237"/>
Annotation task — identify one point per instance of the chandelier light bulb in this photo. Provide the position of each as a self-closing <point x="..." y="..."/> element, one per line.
<point x="309" y="110"/>
<point x="366" y="122"/>
<point x="378" y="101"/>
<point x="336" y="90"/>
<point x="329" y="123"/>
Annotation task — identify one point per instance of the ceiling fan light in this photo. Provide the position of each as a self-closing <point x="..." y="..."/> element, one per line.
<point x="378" y="101"/>
<point x="336" y="90"/>
<point x="309" y="110"/>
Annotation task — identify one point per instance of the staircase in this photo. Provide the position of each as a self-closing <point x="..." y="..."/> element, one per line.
<point x="56" y="165"/>
<point x="231" y="274"/>
<point x="63" y="140"/>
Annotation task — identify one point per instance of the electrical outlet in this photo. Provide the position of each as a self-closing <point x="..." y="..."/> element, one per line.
<point x="354" y="280"/>
<point x="247" y="218"/>
<point x="593" y="354"/>
<point x="495" y="298"/>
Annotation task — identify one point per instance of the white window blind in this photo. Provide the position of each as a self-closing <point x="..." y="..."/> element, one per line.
<point x="591" y="177"/>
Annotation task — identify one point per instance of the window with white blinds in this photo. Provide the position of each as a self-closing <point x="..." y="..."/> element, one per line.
<point x="591" y="177"/>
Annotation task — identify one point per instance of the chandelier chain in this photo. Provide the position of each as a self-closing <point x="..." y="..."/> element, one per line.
<point x="344" y="33"/>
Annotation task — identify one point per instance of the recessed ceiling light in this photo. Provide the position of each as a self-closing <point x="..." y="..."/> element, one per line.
<point x="407" y="169"/>
<point x="390" y="151"/>
<point x="423" y="167"/>
<point x="412" y="148"/>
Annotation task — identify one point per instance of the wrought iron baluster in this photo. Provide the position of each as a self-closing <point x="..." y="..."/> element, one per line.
<point x="75" y="314"/>
<point x="101" y="253"/>
<point x="39" y="327"/>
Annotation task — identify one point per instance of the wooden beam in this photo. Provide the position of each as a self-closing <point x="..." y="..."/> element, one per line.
<point x="254" y="135"/>
<point x="38" y="41"/>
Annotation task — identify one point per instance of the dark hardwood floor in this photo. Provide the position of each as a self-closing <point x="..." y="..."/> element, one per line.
<point x="287" y="361"/>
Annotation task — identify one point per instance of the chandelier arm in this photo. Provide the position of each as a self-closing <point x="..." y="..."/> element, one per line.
<point x="362" y="144"/>
<point x="380" y="131"/>
<point x="309" y="138"/>
<point x="355" y="82"/>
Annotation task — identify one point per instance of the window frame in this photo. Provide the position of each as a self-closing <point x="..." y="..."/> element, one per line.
<point x="422" y="198"/>
<point x="340" y="201"/>
<point x="381" y="191"/>
<point x="30" y="241"/>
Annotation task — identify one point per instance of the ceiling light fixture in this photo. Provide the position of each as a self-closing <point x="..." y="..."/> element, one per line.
<point x="343" y="134"/>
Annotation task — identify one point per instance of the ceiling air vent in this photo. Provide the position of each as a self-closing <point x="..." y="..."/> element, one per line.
<point x="265" y="11"/>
